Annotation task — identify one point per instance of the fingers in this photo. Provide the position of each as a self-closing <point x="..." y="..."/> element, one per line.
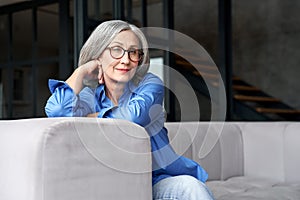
<point x="94" y="69"/>
<point x="101" y="72"/>
<point x="100" y="75"/>
<point x="94" y="66"/>
<point x="89" y="68"/>
<point x="93" y="114"/>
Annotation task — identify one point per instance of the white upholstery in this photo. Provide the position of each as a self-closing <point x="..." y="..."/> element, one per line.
<point x="269" y="143"/>
<point x="249" y="188"/>
<point x="74" y="158"/>
<point x="84" y="158"/>
<point x="246" y="160"/>
<point x="291" y="158"/>
<point x="210" y="144"/>
<point x="180" y="139"/>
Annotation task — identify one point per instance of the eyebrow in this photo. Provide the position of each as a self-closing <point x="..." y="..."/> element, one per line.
<point x="121" y="44"/>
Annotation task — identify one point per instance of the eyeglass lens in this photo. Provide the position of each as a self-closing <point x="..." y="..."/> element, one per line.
<point x="118" y="52"/>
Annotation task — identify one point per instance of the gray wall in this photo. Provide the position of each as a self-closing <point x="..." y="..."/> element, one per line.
<point x="266" y="46"/>
<point x="266" y="40"/>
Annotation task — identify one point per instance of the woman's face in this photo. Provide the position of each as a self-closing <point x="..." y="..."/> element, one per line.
<point x="118" y="68"/>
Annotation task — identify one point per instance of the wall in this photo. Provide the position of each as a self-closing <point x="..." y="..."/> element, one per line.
<point x="266" y="40"/>
<point x="266" y="46"/>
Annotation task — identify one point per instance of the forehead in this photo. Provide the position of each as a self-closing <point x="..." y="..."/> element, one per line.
<point x="126" y="38"/>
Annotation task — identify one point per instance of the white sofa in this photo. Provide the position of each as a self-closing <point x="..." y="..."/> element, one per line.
<point x="244" y="160"/>
<point x="84" y="158"/>
<point x="74" y="159"/>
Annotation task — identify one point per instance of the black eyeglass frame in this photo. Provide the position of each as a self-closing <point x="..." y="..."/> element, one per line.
<point x="140" y="51"/>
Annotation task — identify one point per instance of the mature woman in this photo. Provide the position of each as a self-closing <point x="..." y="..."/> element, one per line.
<point x="116" y="55"/>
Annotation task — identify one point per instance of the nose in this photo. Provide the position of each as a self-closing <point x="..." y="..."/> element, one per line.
<point x="125" y="59"/>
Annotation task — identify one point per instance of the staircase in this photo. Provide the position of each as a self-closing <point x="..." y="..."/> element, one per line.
<point x="270" y="107"/>
<point x="249" y="102"/>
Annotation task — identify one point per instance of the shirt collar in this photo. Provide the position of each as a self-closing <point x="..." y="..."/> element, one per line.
<point x="100" y="91"/>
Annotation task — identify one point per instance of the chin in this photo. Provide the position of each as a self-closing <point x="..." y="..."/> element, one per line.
<point x="121" y="80"/>
<point x="124" y="78"/>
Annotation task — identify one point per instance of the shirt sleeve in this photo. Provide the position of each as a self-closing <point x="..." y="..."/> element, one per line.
<point x="64" y="103"/>
<point x="166" y="163"/>
<point x="144" y="106"/>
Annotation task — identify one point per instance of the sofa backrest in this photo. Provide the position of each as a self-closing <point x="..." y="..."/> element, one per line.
<point x="255" y="149"/>
<point x="271" y="150"/>
<point x="180" y="139"/>
<point x="217" y="147"/>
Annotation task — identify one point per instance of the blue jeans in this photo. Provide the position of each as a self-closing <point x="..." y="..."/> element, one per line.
<point x="181" y="187"/>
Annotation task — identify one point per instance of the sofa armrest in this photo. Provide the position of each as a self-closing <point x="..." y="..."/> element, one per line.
<point x="74" y="158"/>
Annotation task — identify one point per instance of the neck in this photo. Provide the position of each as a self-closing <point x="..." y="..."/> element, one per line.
<point x="114" y="91"/>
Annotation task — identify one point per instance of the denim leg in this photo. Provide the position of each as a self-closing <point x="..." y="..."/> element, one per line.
<point x="181" y="187"/>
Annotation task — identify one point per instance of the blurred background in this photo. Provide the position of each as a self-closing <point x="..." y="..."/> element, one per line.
<point x="255" y="45"/>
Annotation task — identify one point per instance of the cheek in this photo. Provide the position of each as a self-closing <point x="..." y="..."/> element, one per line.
<point x="106" y="60"/>
<point x="133" y="71"/>
<point x="106" y="67"/>
<point x="135" y="66"/>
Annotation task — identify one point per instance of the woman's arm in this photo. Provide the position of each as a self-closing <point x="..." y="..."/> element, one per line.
<point x="71" y="98"/>
<point x="65" y="103"/>
<point x="91" y="70"/>
<point x="144" y="106"/>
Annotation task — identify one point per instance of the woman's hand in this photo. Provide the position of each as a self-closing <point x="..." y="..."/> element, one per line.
<point x="85" y="75"/>
<point x="93" y="114"/>
<point x="93" y="74"/>
<point x="100" y="74"/>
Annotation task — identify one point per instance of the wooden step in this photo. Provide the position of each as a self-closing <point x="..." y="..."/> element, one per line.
<point x="277" y="111"/>
<point x="198" y="66"/>
<point x="245" y="88"/>
<point x="255" y="98"/>
<point x="191" y="54"/>
<point x="236" y="78"/>
<point x="206" y="75"/>
<point x="195" y="59"/>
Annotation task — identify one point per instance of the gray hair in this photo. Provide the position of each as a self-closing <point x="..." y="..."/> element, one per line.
<point x="103" y="35"/>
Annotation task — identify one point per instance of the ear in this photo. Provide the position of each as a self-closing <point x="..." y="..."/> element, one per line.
<point x="99" y="63"/>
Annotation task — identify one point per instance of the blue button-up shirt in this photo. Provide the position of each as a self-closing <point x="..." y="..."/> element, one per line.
<point x="141" y="104"/>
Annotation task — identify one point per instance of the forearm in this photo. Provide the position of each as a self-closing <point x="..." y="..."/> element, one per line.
<point x="64" y="102"/>
<point x="93" y="114"/>
<point x="88" y="71"/>
<point x="75" y="81"/>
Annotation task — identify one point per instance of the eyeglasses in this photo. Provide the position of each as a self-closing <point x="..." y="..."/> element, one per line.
<point x="134" y="55"/>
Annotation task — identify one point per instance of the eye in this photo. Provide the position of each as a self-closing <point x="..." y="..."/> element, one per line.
<point x="117" y="50"/>
<point x="134" y="51"/>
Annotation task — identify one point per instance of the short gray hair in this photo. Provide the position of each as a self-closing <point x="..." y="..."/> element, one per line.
<point x="103" y="35"/>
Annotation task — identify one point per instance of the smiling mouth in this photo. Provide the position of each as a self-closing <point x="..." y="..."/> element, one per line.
<point x="123" y="70"/>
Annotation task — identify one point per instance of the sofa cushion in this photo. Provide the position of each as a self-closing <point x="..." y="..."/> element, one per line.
<point x="246" y="188"/>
